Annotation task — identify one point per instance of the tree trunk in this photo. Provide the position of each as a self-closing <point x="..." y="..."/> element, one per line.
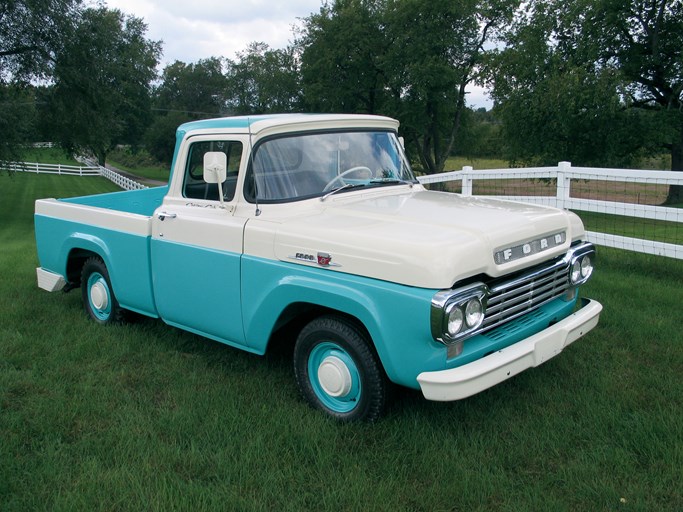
<point x="675" y="196"/>
<point x="101" y="156"/>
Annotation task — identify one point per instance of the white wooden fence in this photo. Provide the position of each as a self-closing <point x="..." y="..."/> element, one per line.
<point x="38" y="168"/>
<point x="559" y="183"/>
<point x="560" y="186"/>
<point x="90" y="169"/>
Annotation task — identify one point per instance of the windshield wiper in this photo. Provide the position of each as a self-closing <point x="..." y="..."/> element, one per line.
<point x="391" y="181"/>
<point x="339" y="189"/>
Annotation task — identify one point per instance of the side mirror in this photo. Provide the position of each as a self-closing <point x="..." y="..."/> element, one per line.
<point x="215" y="167"/>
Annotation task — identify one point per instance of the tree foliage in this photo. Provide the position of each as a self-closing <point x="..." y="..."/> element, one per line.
<point x="597" y="82"/>
<point x="342" y="48"/>
<point x="31" y="33"/>
<point x="101" y="95"/>
<point x="186" y="92"/>
<point x="197" y="90"/>
<point x="412" y="59"/>
<point x="17" y="110"/>
<point x="263" y="80"/>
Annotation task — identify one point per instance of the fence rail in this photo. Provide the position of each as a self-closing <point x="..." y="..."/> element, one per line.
<point x="581" y="189"/>
<point x="89" y="169"/>
<point x="624" y="193"/>
<point x="39" y="168"/>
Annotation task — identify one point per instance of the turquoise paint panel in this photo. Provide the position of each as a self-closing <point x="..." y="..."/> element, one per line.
<point x="198" y="289"/>
<point x="223" y="123"/>
<point x="126" y="256"/>
<point x="396" y="316"/>
<point x="140" y="202"/>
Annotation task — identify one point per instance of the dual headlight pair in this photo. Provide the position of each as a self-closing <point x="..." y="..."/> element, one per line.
<point x="457" y="313"/>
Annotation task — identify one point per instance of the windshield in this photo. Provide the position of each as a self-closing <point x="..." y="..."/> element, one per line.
<point x="313" y="165"/>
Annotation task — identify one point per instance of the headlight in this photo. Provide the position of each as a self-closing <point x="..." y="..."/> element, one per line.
<point x="586" y="267"/>
<point x="581" y="266"/>
<point x="474" y="313"/>
<point x="576" y="272"/>
<point x="455" y="318"/>
<point x="457" y="314"/>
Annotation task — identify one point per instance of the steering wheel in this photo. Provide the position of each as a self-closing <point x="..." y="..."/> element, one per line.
<point x="340" y="177"/>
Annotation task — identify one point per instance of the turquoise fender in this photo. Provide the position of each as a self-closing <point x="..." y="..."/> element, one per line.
<point x="396" y="316"/>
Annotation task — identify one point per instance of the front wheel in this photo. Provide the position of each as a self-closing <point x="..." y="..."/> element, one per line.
<point x="338" y="372"/>
<point x="98" y="297"/>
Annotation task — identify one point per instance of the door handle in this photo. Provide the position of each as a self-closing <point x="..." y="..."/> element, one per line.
<point x="166" y="215"/>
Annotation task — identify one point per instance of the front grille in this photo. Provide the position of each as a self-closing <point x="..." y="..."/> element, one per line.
<point x="515" y="297"/>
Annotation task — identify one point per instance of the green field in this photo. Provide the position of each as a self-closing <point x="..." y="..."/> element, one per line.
<point x="145" y="417"/>
<point x="47" y="156"/>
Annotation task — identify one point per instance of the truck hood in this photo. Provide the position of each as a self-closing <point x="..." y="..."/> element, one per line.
<point x="425" y="239"/>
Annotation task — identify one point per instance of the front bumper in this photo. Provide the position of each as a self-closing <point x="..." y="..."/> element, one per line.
<point x="472" y="378"/>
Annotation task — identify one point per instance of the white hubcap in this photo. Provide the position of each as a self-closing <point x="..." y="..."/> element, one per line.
<point x="99" y="296"/>
<point x="334" y="377"/>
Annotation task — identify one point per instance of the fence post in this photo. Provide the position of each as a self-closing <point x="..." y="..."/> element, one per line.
<point x="563" y="184"/>
<point x="466" y="180"/>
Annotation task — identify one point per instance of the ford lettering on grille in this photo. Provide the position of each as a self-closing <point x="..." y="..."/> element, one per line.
<point x="528" y="248"/>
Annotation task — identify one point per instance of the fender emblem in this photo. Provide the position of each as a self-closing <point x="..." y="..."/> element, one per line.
<point x="322" y="258"/>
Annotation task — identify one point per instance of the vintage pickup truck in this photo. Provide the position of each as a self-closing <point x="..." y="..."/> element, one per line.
<point x="315" y="224"/>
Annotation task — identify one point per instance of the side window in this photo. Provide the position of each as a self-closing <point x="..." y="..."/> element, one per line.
<point x="194" y="186"/>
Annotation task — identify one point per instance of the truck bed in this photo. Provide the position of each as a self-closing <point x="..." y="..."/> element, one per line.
<point x="116" y="227"/>
<point x="139" y="202"/>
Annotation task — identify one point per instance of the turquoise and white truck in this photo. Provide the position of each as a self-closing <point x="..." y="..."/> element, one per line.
<point x="315" y="224"/>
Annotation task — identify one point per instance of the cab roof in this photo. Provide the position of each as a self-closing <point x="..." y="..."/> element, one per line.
<point x="258" y="123"/>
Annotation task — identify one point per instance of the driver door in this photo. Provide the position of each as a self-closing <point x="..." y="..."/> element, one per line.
<point x="196" y="248"/>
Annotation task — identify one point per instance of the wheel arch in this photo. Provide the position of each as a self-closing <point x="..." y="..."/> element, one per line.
<point x="78" y="248"/>
<point x="295" y="316"/>
<point x="288" y="307"/>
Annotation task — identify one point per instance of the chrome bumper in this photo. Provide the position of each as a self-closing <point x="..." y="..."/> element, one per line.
<point x="472" y="378"/>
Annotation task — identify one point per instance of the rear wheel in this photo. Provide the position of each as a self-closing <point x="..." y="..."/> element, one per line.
<point x="98" y="297"/>
<point x="338" y="372"/>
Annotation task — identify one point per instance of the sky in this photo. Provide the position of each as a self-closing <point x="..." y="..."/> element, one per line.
<point x="191" y="30"/>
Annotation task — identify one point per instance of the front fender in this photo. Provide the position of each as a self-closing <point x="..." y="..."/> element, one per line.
<point x="395" y="316"/>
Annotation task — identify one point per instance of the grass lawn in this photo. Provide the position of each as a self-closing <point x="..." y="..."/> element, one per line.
<point x="150" y="172"/>
<point x="47" y="156"/>
<point x="146" y="417"/>
<point x="457" y="163"/>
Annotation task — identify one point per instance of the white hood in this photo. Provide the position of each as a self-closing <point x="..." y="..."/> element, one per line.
<point x="420" y="238"/>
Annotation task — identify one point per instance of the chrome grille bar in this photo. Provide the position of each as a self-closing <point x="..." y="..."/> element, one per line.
<point x="511" y="299"/>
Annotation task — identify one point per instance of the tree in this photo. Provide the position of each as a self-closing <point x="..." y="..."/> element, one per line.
<point x="31" y="33"/>
<point x="17" y="111"/>
<point x="101" y="95"/>
<point x="263" y="80"/>
<point x="186" y="92"/>
<point x="600" y="81"/>
<point x="644" y="40"/>
<point x="412" y="59"/>
<point x="436" y="50"/>
<point x="197" y="90"/>
<point x="342" y="48"/>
